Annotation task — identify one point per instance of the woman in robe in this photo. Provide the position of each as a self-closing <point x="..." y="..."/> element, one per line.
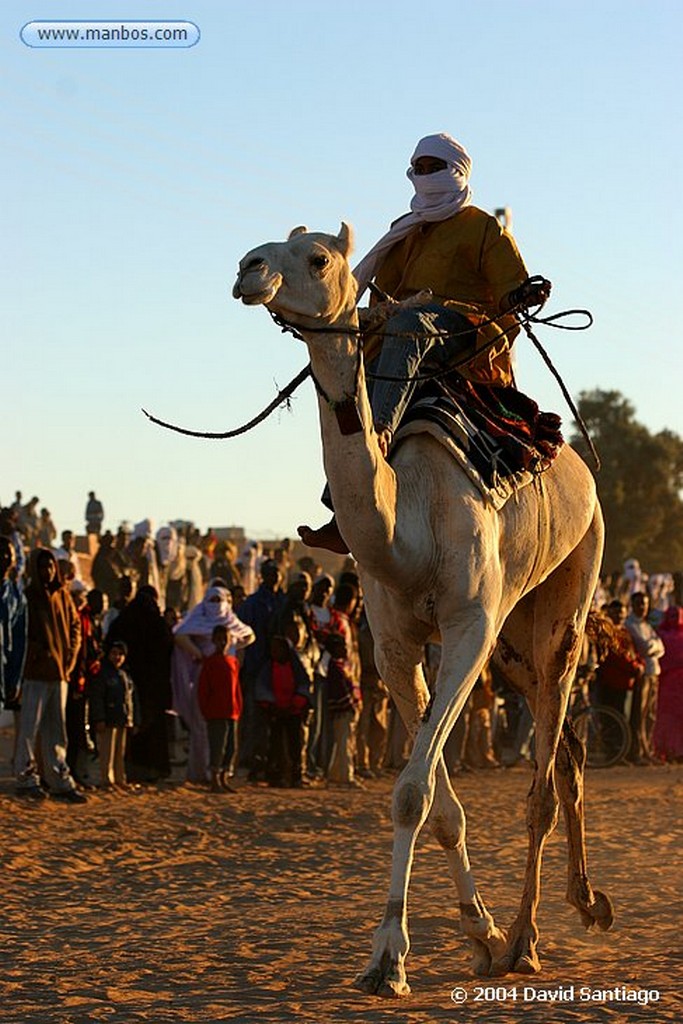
<point x="667" y="738"/>
<point x="192" y="645"/>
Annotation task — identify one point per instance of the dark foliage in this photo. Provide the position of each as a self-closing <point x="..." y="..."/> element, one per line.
<point x="639" y="483"/>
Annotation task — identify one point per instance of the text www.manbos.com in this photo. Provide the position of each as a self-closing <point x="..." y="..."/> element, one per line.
<point x="110" y="34"/>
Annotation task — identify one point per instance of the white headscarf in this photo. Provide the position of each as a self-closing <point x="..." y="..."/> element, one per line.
<point x="634" y="577"/>
<point x="437" y="197"/>
<point x="167" y="544"/>
<point x="209" y="613"/>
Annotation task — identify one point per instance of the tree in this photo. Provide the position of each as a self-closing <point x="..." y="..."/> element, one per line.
<point x="639" y="483"/>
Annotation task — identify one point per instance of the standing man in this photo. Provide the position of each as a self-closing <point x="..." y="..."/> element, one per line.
<point x="12" y="628"/>
<point x="260" y="611"/>
<point x="373" y="725"/>
<point x="54" y="636"/>
<point x="644" y="707"/>
<point x="67" y="553"/>
<point x="8" y="528"/>
<point x="28" y="522"/>
<point x="94" y="517"/>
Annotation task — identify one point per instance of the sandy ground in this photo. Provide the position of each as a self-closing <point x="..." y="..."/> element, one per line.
<point x="174" y="904"/>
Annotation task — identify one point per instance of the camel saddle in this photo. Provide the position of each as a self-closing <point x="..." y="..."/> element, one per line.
<point x="497" y="434"/>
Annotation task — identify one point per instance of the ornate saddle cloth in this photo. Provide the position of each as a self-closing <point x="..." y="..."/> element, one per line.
<point x="498" y="435"/>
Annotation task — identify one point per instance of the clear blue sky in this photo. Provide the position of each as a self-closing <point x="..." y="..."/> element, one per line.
<point x="134" y="180"/>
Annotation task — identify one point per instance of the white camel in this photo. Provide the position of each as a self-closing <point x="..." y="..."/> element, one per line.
<point x="435" y="558"/>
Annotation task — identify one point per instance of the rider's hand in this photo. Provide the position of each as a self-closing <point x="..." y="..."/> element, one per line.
<point x="535" y="291"/>
<point x="384" y="437"/>
<point x="376" y="315"/>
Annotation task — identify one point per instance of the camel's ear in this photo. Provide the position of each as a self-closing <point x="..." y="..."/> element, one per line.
<point x="345" y="239"/>
<point x="301" y="230"/>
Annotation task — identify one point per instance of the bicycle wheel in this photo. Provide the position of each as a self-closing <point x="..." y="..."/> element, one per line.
<point x="604" y="733"/>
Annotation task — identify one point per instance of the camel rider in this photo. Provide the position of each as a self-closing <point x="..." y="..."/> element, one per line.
<point x="476" y="275"/>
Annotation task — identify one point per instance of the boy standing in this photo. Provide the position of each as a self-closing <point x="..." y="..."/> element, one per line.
<point x="220" y="702"/>
<point x="113" y="711"/>
<point x="283" y="690"/>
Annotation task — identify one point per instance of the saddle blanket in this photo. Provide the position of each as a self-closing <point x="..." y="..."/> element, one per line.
<point x="497" y="435"/>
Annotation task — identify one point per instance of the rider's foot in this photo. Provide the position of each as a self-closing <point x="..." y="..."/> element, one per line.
<point x="328" y="537"/>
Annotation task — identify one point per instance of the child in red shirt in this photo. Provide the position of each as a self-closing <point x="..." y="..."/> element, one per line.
<point x="220" y="702"/>
<point x="283" y="690"/>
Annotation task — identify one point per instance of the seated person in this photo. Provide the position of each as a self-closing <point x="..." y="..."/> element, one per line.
<point x="472" y="267"/>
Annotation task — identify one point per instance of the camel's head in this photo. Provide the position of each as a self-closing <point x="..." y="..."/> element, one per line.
<point x="306" y="279"/>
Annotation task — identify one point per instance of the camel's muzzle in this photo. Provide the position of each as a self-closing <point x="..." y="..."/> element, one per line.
<point x="255" y="283"/>
<point x="259" y="291"/>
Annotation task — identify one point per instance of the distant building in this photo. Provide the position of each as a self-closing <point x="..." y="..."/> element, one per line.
<point x="234" y="533"/>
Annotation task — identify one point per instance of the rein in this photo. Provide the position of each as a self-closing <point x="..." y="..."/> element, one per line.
<point x="282" y="396"/>
<point x="347" y="412"/>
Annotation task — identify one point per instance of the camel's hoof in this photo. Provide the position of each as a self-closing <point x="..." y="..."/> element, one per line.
<point x="603" y="911"/>
<point x="501" y="966"/>
<point x="369" y="981"/>
<point x="527" y="964"/>
<point x="394" y="989"/>
<point x="600" y="912"/>
<point x="481" y="959"/>
<point x="374" y="983"/>
<point x="520" y="958"/>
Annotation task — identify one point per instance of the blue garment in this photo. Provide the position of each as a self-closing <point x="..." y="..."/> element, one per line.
<point x="259" y="611"/>
<point x="13" y="629"/>
<point x="20" y="566"/>
<point x="416" y="341"/>
<point x="113" y="698"/>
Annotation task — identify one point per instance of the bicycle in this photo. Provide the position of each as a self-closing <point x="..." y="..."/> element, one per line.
<point x="604" y="732"/>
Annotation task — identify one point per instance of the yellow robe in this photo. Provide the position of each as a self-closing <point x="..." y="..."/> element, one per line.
<point x="470" y="263"/>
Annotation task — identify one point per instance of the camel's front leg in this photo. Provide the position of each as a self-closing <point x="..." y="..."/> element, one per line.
<point x="414" y="794"/>
<point x="385" y="974"/>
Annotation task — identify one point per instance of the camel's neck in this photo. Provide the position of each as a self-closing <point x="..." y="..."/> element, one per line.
<point x="363" y="485"/>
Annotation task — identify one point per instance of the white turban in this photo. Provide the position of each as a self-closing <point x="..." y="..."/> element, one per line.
<point x="446" y="148"/>
<point x="438" y="196"/>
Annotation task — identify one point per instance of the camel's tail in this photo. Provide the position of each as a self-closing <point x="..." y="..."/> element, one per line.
<point x="602" y="632"/>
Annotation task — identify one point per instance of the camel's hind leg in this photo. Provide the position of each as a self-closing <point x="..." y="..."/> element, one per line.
<point x="447" y="823"/>
<point x="560" y="608"/>
<point x="514" y="658"/>
<point x="594" y="907"/>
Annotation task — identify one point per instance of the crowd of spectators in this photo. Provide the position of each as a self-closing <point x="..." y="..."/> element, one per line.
<point x="171" y="647"/>
<point x="174" y="646"/>
<point x="642" y="676"/>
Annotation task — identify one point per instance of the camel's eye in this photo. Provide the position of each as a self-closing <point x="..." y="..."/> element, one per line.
<point x="319" y="262"/>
